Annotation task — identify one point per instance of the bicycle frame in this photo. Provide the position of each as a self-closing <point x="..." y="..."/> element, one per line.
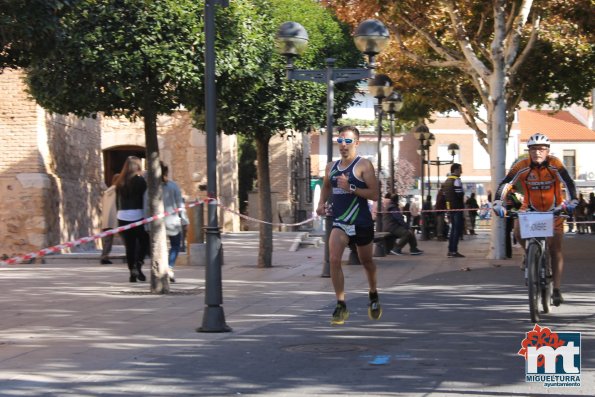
<point x="538" y="276"/>
<point x="536" y="227"/>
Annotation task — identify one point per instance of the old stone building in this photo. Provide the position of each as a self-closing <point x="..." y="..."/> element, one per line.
<point x="290" y="174"/>
<point x="55" y="167"/>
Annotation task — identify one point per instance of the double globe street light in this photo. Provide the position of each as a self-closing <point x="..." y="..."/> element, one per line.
<point x="370" y="37"/>
<point x="392" y="104"/>
<point x="426" y="140"/>
<point x="381" y="88"/>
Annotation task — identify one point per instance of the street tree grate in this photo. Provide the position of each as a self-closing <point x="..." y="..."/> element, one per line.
<point x="194" y="291"/>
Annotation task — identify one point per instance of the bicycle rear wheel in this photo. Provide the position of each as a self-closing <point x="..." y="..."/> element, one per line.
<point x="546" y="283"/>
<point x="532" y="263"/>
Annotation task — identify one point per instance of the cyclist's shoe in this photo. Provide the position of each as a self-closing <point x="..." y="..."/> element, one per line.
<point x="557" y="298"/>
<point x="374" y="308"/>
<point x="340" y="315"/>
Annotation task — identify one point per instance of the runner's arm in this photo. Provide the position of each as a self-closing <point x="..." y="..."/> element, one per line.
<point x="366" y="172"/>
<point x="325" y="192"/>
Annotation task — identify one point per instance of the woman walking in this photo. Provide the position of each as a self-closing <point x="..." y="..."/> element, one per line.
<point x="130" y="189"/>
<point x="172" y="199"/>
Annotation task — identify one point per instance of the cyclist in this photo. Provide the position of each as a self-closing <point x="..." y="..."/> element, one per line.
<point x="542" y="177"/>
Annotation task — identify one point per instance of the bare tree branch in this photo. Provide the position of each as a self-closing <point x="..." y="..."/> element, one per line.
<point x="515" y="32"/>
<point x="434" y="44"/>
<point x="525" y="53"/>
<point x="463" y="41"/>
<point x="424" y="61"/>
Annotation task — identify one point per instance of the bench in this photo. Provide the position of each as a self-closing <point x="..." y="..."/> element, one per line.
<point x="379" y="237"/>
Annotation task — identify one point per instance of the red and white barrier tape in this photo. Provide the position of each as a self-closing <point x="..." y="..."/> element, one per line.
<point x="84" y="240"/>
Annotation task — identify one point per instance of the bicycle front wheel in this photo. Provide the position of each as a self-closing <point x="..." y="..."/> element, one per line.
<point x="546" y="282"/>
<point x="532" y="262"/>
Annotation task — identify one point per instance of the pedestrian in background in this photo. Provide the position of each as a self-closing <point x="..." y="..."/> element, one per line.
<point x="427" y="218"/>
<point x="394" y="223"/>
<point x="172" y="199"/>
<point x="513" y="203"/>
<point x="109" y="220"/>
<point x="130" y="189"/>
<point x="350" y="182"/>
<point x="591" y="212"/>
<point x="472" y="207"/>
<point x="440" y="216"/>
<point x="453" y="191"/>
<point x="414" y="208"/>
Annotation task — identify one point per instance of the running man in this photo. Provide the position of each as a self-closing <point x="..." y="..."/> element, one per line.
<point x="350" y="182"/>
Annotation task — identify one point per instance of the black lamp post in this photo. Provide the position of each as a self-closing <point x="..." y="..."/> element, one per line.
<point x="213" y="317"/>
<point x="392" y="104"/>
<point x="422" y="133"/>
<point x="428" y="143"/>
<point x="370" y="37"/>
<point x="380" y="87"/>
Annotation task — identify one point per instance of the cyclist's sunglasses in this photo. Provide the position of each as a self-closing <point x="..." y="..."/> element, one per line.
<point x="348" y="141"/>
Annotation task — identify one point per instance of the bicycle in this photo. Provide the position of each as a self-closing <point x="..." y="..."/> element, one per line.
<point x="535" y="228"/>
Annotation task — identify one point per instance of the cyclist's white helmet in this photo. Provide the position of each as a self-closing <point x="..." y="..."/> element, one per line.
<point x="538" y="139"/>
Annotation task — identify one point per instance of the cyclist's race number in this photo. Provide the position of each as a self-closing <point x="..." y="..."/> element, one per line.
<point x="536" y="224"/>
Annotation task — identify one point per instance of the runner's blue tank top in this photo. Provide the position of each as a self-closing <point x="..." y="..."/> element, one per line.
<point x="349" y="208"/>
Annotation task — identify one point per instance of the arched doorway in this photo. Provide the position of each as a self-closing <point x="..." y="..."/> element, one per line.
<point x="114" y="158"/>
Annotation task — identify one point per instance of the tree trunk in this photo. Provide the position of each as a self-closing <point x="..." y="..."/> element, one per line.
<point x="497" y="128"/>
<point x="265" y="247"/>
<point x="159" y="264"/>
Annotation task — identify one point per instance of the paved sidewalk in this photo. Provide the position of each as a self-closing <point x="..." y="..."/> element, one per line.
<point x="450" y="327"/>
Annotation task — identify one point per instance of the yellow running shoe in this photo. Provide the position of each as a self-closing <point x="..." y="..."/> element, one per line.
<point x="340" y="315"/>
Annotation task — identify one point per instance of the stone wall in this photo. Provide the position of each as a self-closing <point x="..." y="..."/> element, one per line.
<point x="287" y="154"/>
<point x="183" y="148"/>
<point x="24" y="183"/>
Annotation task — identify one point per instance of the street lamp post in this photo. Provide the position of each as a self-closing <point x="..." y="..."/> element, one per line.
<point x="392" y="105"/>
<point x="380" y="87"/>
<point x="428" y="144"/>
<point x="370" y="37"/>
<point x="453" y="148"/>
<point x="422" y="133"/>
<point x="213" y="316"/>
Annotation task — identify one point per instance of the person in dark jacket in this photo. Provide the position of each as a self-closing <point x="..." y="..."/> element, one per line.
<point x="453" y="190"/>
<point x="394" y="222"/>
<point x="472" y="205"/>
<point x="130" y="190"/>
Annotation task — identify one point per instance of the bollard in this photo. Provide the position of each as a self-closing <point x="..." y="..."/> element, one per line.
<point x="196" y="236"/>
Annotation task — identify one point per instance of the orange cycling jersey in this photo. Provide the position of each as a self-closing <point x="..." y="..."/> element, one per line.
<point x="542" y="183"/>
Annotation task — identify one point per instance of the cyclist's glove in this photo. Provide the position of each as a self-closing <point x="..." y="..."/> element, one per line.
<point x="498" y="208"/>
<point x="571" y="205"/>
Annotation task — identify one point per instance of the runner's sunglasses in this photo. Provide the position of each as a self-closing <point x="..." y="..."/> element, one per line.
<point x="348" y="141"/>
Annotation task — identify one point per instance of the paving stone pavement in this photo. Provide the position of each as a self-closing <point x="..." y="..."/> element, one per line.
<point x="451" y="327"/>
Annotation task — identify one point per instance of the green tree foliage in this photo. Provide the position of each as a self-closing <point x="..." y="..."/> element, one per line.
<point x="270" y="103"/>
<point x="469" y="55"/>
<point x="127" y="58"/>
<point x="550" y="48"/>
<point x="27" y="28"/>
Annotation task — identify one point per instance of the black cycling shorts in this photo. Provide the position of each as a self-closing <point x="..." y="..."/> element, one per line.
<point x="364" y="235"/>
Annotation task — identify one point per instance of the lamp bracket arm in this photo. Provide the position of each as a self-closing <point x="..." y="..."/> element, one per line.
<point x="316" y="76"/>
<point x="340" y="75"/>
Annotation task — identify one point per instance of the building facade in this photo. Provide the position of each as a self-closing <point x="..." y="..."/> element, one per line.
<point x="55" y="168"/>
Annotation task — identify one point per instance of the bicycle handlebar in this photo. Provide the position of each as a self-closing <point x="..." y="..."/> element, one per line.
<point x="557" y="212"/>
